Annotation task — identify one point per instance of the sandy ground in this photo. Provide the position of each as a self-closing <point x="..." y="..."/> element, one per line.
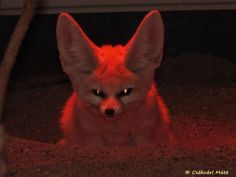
<point x="200" y="93"/>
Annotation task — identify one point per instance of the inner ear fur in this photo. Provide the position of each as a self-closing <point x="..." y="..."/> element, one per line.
<point x="146" y="45"/>
<point x="77" y="51"/>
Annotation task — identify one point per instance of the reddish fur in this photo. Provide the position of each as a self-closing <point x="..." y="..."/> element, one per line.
<point x="112" y="63"/>
<point x="140" y="118"/>
<point x="128" y="129"/>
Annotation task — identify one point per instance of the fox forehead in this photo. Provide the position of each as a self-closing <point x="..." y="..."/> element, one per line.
<point x="111" y="55"/>
<point x="111" y="67"/>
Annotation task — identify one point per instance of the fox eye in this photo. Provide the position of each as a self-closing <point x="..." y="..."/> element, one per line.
<point x="125" y="92"/>
<point x="98" y="93"/>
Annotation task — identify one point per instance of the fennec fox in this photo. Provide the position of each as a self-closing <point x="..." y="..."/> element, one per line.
<point x="115" y="101"/>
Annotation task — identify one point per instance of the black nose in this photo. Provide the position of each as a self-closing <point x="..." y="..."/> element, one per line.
<point x="109" y="112"/>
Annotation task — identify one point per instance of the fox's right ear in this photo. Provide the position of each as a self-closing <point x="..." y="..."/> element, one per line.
<point x="146" y="45"/>
<point x="77" y="51"/>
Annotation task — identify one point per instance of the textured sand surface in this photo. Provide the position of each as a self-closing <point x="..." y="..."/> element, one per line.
<point x="200" y="92"/>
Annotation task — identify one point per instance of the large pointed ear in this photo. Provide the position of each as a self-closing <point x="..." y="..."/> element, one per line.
<point x="77" y="52"/>
<point x="146" y="45"/>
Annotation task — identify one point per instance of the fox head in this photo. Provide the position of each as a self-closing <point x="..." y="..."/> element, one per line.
<point x="111" y="78"/>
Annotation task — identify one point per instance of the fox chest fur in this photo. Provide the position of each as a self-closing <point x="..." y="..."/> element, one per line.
<point x="115" y="101"/>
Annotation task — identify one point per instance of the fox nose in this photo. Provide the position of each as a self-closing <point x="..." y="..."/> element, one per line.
<point x="109" y="112"/>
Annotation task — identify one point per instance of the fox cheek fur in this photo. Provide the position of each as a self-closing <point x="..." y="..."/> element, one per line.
<point x="113" y="83"/>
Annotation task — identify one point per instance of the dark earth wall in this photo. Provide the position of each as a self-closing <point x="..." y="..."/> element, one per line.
<point x="205" y="32"/>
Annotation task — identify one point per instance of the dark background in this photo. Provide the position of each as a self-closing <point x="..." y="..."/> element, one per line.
<point x="204" y="32"/>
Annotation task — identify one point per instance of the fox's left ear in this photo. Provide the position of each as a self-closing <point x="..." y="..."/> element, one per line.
<point x="146" y="45"/>
<point x="77" y="51"/>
